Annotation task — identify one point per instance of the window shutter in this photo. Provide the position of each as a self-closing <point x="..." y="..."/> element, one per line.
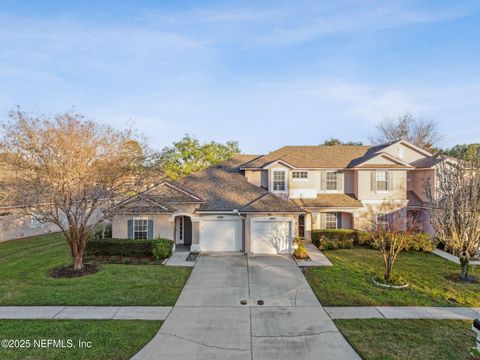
<point x="339" y="181"/>
<point x="390" y="180"/>
<point x="130" y="229"/>
<point x="323" y="221"/>
<point x="339" y="220"/>
<point x="373" y="181"/>
<point x="150" y="230"/>
<point x="323" y="181"/>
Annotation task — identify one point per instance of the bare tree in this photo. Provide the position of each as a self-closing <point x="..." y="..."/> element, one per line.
<point x="423" y="133"/>
<point x="389" y="233"/>
<point x="454" y="209"/>
<point x="65" y="170"/>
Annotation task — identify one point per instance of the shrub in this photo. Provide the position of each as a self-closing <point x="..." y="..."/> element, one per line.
<point x="331" y="234"/>
<point x="415" y="241"/>
<point x="300" y="252"/>
<point x="158" y="248"/>
<point x="336" y="244"/>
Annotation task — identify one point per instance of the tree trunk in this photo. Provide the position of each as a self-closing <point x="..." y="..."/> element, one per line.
<point x="78" y="261"/>
<point x="388" y="269"/>
<point x="464" y="268"/>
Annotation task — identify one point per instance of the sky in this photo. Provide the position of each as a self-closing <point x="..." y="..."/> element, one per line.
<point x="263" y="73"/>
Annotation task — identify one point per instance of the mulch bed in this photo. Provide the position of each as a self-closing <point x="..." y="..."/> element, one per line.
<point x="69" y="272"/>
<point x="192" y="256"/>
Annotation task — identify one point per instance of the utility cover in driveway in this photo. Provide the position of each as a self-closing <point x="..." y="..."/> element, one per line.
<point x="271" y="235"/>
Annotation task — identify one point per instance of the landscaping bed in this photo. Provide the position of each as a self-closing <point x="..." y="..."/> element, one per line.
<point x="381" y="339"/>
<point x="108" y="339"/>
<point x="25" y="278"/>
<point x="349" y="281"/>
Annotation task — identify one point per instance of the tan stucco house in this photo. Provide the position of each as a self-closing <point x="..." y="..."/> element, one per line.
<point x="259" y="203"/>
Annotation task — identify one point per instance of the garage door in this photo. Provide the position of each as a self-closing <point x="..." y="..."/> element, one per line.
<point x="220" y="234"/>
<point x="271" y="235"/>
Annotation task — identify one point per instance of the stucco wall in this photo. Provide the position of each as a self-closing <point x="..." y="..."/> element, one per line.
<point x="418" y="182"/>
<point x="399" y="191"/>
<point x="409" y="155"/>
<point x="163" y="226"/>
<point x="257" y="177"/>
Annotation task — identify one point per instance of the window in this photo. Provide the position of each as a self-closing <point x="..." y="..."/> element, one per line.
<point x="330" y="220"/>
<point x="383" y="221"/>
<point x="381" y="179"/>
<point x="331" y="180"/>
<point x="140" y="229"/>
<point x="279" y="181"/>
<point x="300" y="175"/>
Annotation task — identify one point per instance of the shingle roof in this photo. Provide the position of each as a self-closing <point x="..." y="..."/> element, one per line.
<point x="168" y="193"/>
<point x="225" y="190"/>
<point x="316" y="156"/>
<point x="428" y="162"/>
<point x="329" y="200"/>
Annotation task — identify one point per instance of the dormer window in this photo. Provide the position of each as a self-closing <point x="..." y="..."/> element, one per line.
<point x="279" y="180"/>
<point x="298" y="175"/>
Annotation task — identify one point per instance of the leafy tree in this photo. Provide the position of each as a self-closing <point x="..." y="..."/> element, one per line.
<point x="335" y="141"/>
<point x="468" y="152"/>
<point x="454" y="209"/>
<point x="66" y="170"/>
<point x="423" y="133"/>
<point x="189" y="155"/>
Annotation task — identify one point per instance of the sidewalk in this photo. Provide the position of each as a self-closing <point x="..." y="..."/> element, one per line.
<point x="451" y="257"/>
<point x="85" y="312"/>
<point x="402" y="312"/>
<point x="316" y="258"/>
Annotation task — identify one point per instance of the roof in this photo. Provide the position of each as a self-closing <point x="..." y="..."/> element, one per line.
<point x="223" y="189"/>
<point x="342" y="156"/>
<point x="428" y="162"/>
<point x="329" y="200"/>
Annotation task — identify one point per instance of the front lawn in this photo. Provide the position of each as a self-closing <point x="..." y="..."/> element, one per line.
<point x="348" y="282"/>
<point x="110" y="339"/>
<point x="24" y="278"/>
<point x="380" y="339"/>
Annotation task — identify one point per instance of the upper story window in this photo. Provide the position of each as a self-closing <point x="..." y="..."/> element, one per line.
<point x="279" y="180"/>
<point x="140" y="229"/>
<point x="331" y="180"/>
<point x="299" y="175"/>
<point x="382" y="180"/>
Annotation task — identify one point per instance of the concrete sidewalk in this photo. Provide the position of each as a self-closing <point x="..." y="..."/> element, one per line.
<point x="403" y="312"/>
<point x="452" y="257"/>
<point x="86" y="312"/>
<point x="316" y="258"/>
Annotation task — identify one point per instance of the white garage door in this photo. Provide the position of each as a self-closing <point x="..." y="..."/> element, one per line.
<point x="220" y="234"/>
<point x="271" y="235"/>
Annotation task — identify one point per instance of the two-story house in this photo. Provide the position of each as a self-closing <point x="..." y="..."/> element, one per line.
<point x="259" y="203"/>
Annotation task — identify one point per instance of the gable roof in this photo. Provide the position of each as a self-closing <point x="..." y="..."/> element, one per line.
<point x="329" y="200"/>
<point x="224" y="189"/>
<point x="397" y="163"/>
<point x="313" y="156"/>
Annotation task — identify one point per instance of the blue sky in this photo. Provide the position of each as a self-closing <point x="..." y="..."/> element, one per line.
<point x="264" y="73"/>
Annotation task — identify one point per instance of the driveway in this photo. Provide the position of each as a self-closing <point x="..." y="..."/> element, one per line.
<point x="209" y="321"/>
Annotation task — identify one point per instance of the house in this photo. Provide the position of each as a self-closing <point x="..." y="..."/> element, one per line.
<point x="259" y="203"/>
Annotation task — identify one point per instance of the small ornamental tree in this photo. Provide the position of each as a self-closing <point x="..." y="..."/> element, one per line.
<point x="389" y="234"/>
<point x="454" y="208"/>
<point x="67" y="171"/>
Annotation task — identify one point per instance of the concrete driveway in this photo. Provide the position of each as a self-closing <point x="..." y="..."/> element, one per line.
<point x="209" y="321"/>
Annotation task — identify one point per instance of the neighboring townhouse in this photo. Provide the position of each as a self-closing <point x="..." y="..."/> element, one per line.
<point x="338" y="185"/>
<point x="259" y="203"/>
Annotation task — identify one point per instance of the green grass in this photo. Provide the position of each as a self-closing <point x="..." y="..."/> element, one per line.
<point x="380" y="339"/>
<point x="110" y="339"/>
<point x="348" y="282"/>
<point x="24" y="278"/>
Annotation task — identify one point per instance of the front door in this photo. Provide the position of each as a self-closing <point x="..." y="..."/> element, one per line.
<point x="187" y="230"/>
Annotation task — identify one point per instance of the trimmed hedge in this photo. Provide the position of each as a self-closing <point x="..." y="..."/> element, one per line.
<point x="336" y="244"/>
<point x="325" y="239"/>
<point x="159" y="248"/>
<point x="331" y="234"/>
